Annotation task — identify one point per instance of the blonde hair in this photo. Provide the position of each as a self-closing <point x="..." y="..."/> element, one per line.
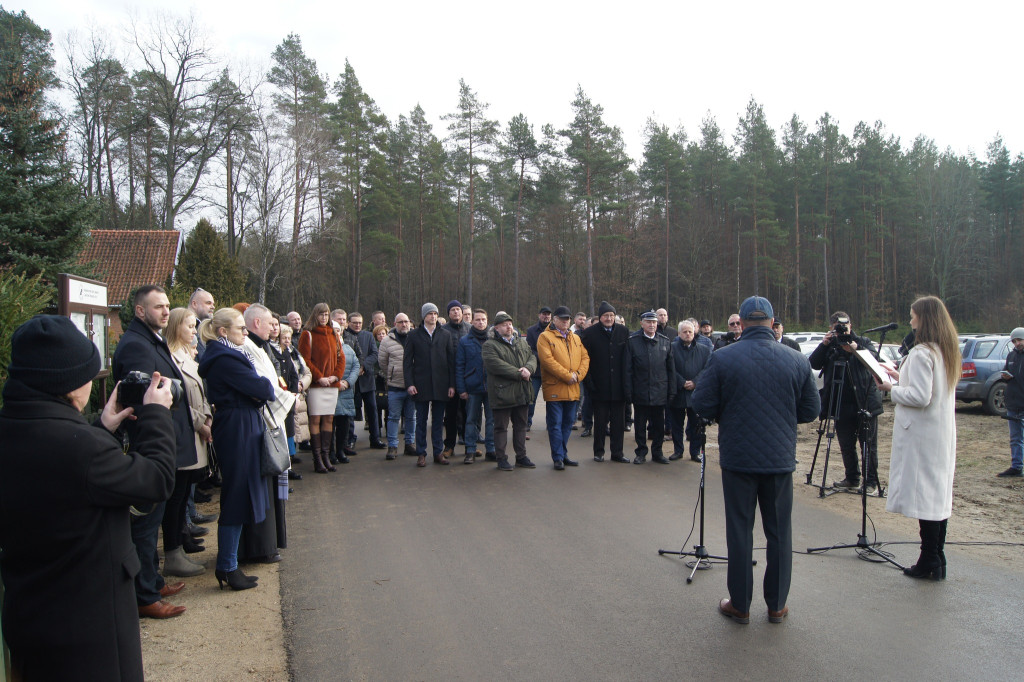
<point x="222" y="319"/>
<point x="935" y="328"/>
<point x="177" y="320"/>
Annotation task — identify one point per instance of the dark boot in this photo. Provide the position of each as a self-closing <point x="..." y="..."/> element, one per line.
<point x="331" y="449"/>
<point x="928" y="565"/>
<point x="942" y="545"/>
<point x="318" y="462"/>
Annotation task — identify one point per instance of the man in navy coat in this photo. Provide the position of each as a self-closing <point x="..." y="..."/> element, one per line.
<point x="758" y="391"/>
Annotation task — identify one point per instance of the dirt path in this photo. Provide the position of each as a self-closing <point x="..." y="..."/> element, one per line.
<point x="240" y="635"/>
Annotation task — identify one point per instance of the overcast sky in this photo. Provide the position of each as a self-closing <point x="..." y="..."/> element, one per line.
<point x="949" y="71"/>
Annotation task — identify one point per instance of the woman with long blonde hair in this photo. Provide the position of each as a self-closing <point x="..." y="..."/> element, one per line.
<point x="924" y="432"/>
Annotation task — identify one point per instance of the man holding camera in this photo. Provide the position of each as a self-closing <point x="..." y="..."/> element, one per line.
<point x="143" y="349"/>
<point x="758" y="391"/>
<point x="845" y="394"/>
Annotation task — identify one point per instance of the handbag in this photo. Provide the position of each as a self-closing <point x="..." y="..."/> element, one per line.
<point x="275" y="458"/>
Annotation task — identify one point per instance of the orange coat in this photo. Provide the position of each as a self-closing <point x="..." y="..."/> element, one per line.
<point x="322" y="352"/>
<point x="558" y="359"/>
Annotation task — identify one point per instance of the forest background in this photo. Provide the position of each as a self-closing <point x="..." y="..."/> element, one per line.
<point x="314" y="193"/>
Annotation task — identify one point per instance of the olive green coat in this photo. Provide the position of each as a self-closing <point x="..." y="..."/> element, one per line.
<point x="505" y="386"/>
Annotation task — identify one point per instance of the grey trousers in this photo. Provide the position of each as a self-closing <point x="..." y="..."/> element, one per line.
<point x="744" y="493"/>
<point x="519" y="417"/>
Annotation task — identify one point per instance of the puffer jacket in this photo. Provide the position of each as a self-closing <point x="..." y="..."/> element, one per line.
<point x="502" y="360"/>
<point x="470" y="374"/>
<point x="559" y="357"/>
<point x="346" y="405"/>
<point x="758" y="391"/>
<point x="390" y="356"/>
<point x="649" y="376"/>
<point x="688" y="361"/>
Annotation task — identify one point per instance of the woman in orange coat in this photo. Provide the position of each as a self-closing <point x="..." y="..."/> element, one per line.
<point x="321" y="350"/>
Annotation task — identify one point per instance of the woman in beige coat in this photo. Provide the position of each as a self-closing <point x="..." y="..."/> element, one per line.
<point x="924" y="432"/>
<point x="180" y="336"/>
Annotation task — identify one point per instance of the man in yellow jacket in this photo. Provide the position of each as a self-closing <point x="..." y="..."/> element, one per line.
<point x="564" y="363"/>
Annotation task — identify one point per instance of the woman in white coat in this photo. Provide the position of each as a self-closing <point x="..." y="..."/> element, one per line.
<point x="924" y="432"/>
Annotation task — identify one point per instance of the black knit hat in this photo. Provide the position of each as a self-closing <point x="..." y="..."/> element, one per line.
<point x="605" y="307"/>
<point x="50" y="354"/>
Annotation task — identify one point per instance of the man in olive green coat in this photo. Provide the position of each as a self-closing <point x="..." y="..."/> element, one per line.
<point x="509" y="363"/>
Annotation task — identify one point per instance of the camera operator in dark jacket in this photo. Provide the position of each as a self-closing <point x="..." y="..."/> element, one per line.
<point x="1013" y="374"/>
<point x="858" y="393"/>
<point x="68" y="561"/>
<point x="689" y="357"/>
<point x="650" y="384"/>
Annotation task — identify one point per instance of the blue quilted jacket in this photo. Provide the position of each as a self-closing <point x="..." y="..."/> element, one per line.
<point x="757" y="390"/>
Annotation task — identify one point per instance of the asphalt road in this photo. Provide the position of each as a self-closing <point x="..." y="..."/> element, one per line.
<point x="467" y="573"/>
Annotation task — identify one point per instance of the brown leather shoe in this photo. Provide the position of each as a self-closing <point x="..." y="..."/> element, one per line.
<point x="777" y="616"/>
<point x="421" y="461"/>
<point x="446" y="453"/>
<point x="442" y="458"/>
<point x="160" y="609"/>
<point x="726" y="608"/>
<point x="169" y="590"/>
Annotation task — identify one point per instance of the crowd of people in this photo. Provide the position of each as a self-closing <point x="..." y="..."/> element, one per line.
<point x="245" y="372"/>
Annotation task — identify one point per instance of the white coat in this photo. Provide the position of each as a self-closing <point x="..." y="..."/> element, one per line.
<point x="923" y="439"/>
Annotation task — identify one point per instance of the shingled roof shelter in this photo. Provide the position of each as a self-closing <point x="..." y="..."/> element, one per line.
<point x="126" y="259"/>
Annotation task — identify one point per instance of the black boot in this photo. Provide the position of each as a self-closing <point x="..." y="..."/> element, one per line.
<point x="942" y="545"/>
<point x="928" y="565"/>
<point x="330" y="450"/>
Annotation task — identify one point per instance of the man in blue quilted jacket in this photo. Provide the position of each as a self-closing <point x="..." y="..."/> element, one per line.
<point x="757" y="390"/>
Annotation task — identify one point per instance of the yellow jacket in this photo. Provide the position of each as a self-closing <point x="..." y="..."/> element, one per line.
<point x="558" y="359"/>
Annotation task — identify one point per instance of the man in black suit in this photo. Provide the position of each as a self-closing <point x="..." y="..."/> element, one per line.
<point x="606" y="345"/>
<point x="779" y="330"/>
<point x="143" y="349"/>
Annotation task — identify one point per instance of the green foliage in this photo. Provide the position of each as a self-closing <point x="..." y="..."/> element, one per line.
<point x="205" y="263"/>
<point x="44" y="220"/>
<point x="21" y="297"/>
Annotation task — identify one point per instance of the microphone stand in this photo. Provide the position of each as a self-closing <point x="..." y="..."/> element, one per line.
<point x="702" y="560"/>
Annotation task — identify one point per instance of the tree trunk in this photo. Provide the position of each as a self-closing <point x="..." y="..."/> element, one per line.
<point x="519" y="212"/>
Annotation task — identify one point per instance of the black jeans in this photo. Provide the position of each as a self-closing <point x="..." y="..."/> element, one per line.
<point x="454" y="421"/>
<point x="606" y="411"/>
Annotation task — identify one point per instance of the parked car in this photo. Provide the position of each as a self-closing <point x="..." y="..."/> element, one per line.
<point x="983" y="358"/>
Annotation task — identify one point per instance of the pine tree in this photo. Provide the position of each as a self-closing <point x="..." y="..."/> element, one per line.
<point x="44" y="220"/>
<point x="205" y="263"/>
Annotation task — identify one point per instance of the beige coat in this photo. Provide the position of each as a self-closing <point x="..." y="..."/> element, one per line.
<point x="197" y="403"/>
<point x="923" y="439"/>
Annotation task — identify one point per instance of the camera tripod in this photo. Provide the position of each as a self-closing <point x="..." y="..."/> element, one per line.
<point x="702" y="560"/>
<point x="827" y="426"/>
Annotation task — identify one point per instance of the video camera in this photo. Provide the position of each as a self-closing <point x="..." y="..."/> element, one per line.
<point x="841" y="328"/>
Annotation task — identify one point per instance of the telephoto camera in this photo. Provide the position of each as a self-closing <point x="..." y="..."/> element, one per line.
<point x="135" y="384"/>
<point x="842" y="331"/>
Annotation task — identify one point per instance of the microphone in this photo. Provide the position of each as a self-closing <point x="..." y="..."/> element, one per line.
<point x="884" y="328"/>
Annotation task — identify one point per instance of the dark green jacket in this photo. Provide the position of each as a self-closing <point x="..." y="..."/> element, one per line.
<point x="502" y="360"/>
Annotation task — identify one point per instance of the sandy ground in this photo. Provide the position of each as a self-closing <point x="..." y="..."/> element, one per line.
<point x="228" y="635"/>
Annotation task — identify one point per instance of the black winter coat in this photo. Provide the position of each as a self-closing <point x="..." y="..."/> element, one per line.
<point x="649" y="375"/>
<point x="1015" y="386"/>
<point x="141" y="350"/>
<point x="859" y="377"/>
<point x="607" y="351"/>
<point x="429" y="363"/>
<point x="68" y="560"/>
<point x="688" y="361"/>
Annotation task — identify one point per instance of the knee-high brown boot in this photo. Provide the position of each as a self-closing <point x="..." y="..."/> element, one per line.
<point x="318" y="458"/>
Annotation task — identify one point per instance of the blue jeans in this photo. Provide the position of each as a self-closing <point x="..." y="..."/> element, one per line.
<point x="560" y="416"/>
<point x="1016" y="420"/>
<point x="227" y="547"/>
<point x="400" y="404"/>
<point x="473" y="403"/>
<point x="436" y="425"/>
<point x="535" y="381"/>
